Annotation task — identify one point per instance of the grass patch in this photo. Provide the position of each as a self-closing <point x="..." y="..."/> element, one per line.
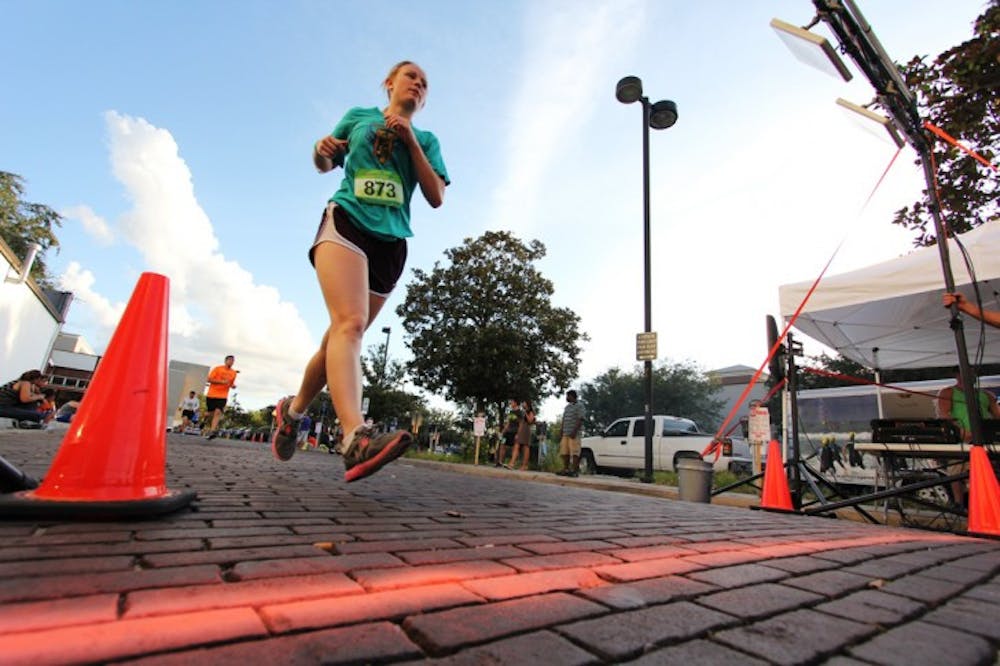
<point x="437" y="457"/>
<point x="719" y="479"/>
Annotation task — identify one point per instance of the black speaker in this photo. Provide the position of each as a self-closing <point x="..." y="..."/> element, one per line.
<point x="776" y="366"/>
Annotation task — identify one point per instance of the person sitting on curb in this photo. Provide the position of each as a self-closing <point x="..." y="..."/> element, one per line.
<point x="19" y="399"/>
<point x="47" y="407"/>
<point x="66" y="411"/>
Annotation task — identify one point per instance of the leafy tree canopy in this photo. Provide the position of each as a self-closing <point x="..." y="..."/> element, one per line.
<point x="847" y="368"/>
<point x="679" y="389"/>
<point x="482" y="328"/>
<point x="383" y="388"/>
<point x="23" y="223"/>
<point x="835" y="365"/>
<point x="959" y="91"/>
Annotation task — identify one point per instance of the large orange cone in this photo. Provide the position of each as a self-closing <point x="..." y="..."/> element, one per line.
<point x="776" y="494"/>
<point x="984" y="495"/>
<point x="112" y="459"/>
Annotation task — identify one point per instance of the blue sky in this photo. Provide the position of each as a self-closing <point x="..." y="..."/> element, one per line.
<point x="175" y="137"/>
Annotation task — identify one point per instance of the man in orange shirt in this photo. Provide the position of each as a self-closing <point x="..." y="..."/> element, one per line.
<point x="220" y="380"/>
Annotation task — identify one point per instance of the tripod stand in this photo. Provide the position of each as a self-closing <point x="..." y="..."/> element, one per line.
<point x="802" y="474"/>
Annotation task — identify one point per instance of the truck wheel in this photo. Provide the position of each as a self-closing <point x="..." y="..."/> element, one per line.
<point x="587" y="464"/>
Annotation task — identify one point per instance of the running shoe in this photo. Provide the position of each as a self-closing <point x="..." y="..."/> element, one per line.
<point x="368" y="453"/>
<point x="285" y="431"/>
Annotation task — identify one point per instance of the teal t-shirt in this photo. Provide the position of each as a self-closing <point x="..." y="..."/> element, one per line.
<point x="379" y="177"/>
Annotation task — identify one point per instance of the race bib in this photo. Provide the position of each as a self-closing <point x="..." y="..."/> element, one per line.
<point x="374" y="186"/>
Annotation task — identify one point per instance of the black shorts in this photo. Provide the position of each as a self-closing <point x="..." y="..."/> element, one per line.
<point x="188" y="413"/>
<point x="386" y="259"/>
<point x="508" y="438"/>
<point x="212" y="404"/>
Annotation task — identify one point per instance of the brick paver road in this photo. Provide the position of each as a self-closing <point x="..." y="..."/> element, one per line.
<point x="284" y="563"/>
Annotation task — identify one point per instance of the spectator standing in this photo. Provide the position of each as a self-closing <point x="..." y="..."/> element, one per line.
<point x="522" y="440"/>
<point x="305" y="427"/>
<point x="220" y="380"/>
<point x="509" y="432"/>
<point x="569" y="442"/>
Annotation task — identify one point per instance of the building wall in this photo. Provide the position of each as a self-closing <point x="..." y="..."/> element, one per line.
<point x="182" y="379"/>
<point x="733" y="381"/>
<point x="70" y="373"/>
<point x="28" y="321"/>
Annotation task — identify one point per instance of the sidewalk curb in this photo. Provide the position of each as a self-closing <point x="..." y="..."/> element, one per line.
<point x="584" y="481"/>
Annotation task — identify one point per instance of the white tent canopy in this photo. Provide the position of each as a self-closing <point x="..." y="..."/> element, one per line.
<point x="889" y="315"/>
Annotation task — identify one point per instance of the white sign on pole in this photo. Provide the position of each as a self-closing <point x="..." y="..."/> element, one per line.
<point x="760" y="425"/>
<point x="645" y="346"/>
<point x="759" y="431"/>
<point x="479" y="426"/>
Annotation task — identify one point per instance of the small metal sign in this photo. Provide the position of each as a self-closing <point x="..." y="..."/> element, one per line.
<point x="645" y="346"/>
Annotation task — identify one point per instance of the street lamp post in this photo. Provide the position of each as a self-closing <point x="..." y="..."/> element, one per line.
<point x="385" y="352"/>
<point x="661" y="115"/>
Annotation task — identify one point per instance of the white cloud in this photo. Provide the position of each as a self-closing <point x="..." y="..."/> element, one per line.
<point x="92" y="223"/>
<point x="567" y="63"/>
<point x="80" y="282"/>
<point x="216" y="308"/>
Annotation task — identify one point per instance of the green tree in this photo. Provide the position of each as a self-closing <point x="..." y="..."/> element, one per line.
<point x="23" y="223"/>
<point x="483" y="329"/>
<point x="959" y="91"/>
<point x="381" y="371"/>
<point x="848" y="368"/>
<point x="832" y="364"/>
<point x="679" y="389"/>
<point x="383" y="388"/>
<point x="234" y="416"/>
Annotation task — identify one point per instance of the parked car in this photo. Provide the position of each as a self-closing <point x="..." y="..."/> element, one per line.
<point x="622" y="446"/>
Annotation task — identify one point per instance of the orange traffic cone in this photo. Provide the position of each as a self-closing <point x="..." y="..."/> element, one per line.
<point x="776" y="495"/>
<point x="112" y="459"/>
<point x="984" y="495"/>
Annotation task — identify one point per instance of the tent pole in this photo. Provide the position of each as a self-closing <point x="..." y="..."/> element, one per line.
<point x="878" y="383"/>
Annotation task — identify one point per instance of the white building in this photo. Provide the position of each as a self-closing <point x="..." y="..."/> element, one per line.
<point x="182" y="379"/>
<point x="30" y="317"/>
<point x="733" y="381"/>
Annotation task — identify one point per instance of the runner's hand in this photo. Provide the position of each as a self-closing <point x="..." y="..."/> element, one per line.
<point x="330" y="147"/>
<point x="401" y="126"/>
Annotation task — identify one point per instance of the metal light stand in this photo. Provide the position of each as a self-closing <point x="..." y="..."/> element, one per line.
<point x="794" y="349"/>
<point x="801" y="472"/>
<point x="860" y="43"/>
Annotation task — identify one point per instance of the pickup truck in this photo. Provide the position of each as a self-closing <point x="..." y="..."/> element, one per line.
<point x="622" y="446"/>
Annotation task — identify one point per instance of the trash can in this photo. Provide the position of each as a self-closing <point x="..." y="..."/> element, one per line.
<point x="694" y="480"/>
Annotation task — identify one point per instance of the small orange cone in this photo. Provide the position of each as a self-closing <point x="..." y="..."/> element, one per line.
<point x="776" y="494"/>
<point x="984" y="495"/>
<point x="112" y="459"/>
